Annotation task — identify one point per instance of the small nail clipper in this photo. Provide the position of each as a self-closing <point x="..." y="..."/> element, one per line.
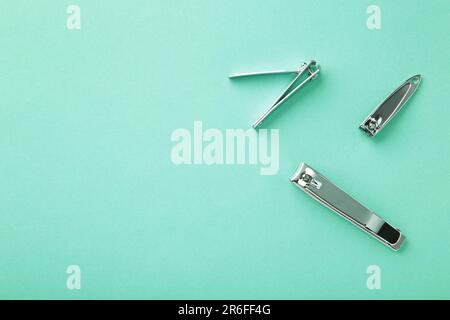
<point x="390" y="106"/>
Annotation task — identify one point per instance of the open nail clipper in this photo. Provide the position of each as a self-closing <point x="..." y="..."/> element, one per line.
<point x="324" y="191"/>
<point x="310" y="69"/>
<point x="390" y="106"/>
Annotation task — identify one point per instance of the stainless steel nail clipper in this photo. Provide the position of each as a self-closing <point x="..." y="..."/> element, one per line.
<point x="390" y="106"/>
<point x="324" y="191"/>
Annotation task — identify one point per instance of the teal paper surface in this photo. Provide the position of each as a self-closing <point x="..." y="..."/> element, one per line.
<point x="87" y="179"/>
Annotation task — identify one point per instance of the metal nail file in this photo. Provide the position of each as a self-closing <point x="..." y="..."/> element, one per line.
<point x="310" y="69"/>
<point x="324" y="191"/>
<point x="390" y="106"/>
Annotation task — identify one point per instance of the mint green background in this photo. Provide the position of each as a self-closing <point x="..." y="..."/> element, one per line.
<point x="85" y="170"/>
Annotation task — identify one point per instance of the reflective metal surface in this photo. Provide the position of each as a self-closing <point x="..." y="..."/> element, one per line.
<point x="310" y="69"/>
<point x="390" y="106"/>
<point x="324" y="191"/>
